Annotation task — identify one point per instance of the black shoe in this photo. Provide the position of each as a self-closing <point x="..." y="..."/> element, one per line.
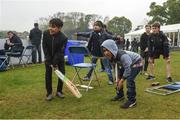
<point x="117" y="98"/>
<point x="128" y="104"/>
<point x="169" y="79"/>
<point x="49" y="97"/>
<point x="150" y="77"/>
<point x="60" y="95"/>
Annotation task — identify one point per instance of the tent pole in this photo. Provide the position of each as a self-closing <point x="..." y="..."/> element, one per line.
<point x="178" y="40"/>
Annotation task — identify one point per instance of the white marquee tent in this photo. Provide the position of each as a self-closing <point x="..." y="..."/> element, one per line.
<point x="172" y="31"/>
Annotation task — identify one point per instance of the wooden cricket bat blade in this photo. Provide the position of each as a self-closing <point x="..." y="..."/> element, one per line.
<point x="69" y="84"/>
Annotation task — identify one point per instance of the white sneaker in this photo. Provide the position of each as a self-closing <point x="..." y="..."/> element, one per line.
<point x="110" y="83"/>
<point x="49" y="97"/>
<point x="146" y="74"/>
<point x="60" y="95"/>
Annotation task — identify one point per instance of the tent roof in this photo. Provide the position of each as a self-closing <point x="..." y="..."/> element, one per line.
<point x="165" y="29"/>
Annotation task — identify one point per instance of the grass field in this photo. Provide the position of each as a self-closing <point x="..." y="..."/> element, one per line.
<point x="22" y="95"/>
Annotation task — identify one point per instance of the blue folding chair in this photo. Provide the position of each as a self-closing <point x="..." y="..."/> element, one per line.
<point x="16" y="52"/>
<point x="27" y="54"/>
<point x="3" y="62"/>
<point x="81" y="50"/>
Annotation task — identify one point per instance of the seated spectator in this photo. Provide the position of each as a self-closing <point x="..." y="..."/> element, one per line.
<point x="13" y="41"/>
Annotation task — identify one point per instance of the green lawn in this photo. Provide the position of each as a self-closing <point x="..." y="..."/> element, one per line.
<point x="22" y="95"/>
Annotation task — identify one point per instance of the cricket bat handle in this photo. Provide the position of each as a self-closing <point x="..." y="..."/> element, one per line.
<point x="116" y="72"/>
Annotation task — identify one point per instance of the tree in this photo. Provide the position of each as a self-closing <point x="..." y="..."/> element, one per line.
<point x="106" y="19"/>
<point x="119" y="25"/>
<point x="173" y="11"/>
<point x="3" y="34"/>
<point x="91" y="18"/>
<point x="43" y="23"/>
<point x="158" y="13"/>
<point x="168" y="13"/>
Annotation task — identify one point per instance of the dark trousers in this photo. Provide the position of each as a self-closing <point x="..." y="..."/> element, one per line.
<point x="145" y="56"/>
<point x="130" y="84"/>
<point x="48" y="78"/>
<point x="37" y="48"/>
<point x="102" y="66"/>
<point x="2" y="52"/>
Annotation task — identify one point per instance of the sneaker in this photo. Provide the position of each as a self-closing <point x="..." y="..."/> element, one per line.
<point x="110" y="83"/>
<point x="49" y="97"/>
<point x="150" y="77"/>
<point x="155" y="84"/>
<point x="146" y="74"/>
<point x="128" y="104"/>
<point x="60" y="95"/>
<point x="86" y="78"/>
<point x="117" y="98"/>
<point x="169" y="79"/>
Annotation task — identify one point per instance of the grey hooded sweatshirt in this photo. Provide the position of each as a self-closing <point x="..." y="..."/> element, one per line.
<point x="126" y="59"/>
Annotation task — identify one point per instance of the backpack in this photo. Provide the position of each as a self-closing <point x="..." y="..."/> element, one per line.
<point x="6" y="46"/>
<point x="3" y="67"/>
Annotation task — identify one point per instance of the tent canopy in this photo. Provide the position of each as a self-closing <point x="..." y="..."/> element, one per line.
<point x="165" y="29"/>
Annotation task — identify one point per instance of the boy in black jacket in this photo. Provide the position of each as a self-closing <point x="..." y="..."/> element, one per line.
<point x="54" y="43"/>
<point x="144" y="47"/>
<point x="158" y="45"/>
<point x="96" y="38"/>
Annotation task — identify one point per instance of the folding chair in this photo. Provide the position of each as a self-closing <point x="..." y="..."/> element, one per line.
<point x="27" y="54"/>
<point x="3" y="62"/>
<point x="16" y="52"/>
<point x="165" y="89"/>
<point x="80" y="50"/>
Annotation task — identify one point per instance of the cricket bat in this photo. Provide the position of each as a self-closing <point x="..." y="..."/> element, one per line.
<point x="68" y="83"/>
<point x="116" y="77"/>
<point x="116" y="72"/>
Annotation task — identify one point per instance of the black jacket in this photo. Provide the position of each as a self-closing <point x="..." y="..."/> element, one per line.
<point x="144" y="41"/>
<point x="95" y="41"/>
<point x="35" y="36"/>
<point x="16" y="41"/>
<point x="18" y="45"/>
<point x="158" y="43"/>
<point x="53" y="47"/>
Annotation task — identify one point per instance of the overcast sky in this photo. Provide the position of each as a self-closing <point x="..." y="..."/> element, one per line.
<point x="20" y="15"/>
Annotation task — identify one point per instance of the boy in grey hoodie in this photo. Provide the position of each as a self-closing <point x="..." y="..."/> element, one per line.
<point x="131" y="64"/>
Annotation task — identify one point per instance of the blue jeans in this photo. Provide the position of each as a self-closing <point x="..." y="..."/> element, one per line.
<point x="130" y="83"/>
<point x="36" y="48"/>
<point x="106" y="64"/>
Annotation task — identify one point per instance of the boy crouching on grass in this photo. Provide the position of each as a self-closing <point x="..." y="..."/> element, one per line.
<point x="131" y="64"/>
